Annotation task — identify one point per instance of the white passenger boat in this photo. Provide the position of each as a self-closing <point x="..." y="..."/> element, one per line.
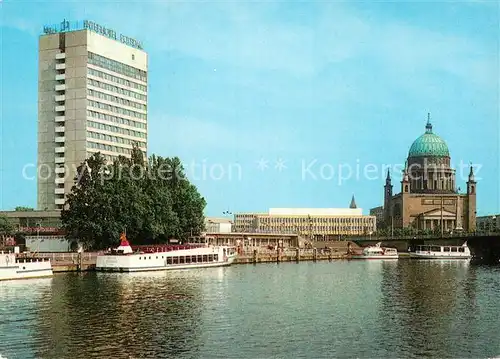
<point x="13" y="266"/>
<point x="441" y="252"/>
<point x="126" y="258"/>
<point x="376" y="252"/>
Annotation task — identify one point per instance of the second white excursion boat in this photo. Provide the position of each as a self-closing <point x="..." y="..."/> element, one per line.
<point x="441" y="252"/>
<point x="163" y="257"/>
<point x="13" y="267"/>
<point x="376" y="252"/>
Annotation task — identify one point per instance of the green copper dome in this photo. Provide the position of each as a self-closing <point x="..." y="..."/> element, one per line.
<point x="429" y="144"/>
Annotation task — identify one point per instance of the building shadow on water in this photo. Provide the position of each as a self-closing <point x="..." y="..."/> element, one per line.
<point x="121" y="315"/>
<point x="428" y="308"/>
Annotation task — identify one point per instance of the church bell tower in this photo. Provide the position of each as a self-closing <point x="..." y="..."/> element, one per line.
<point x="471" y="201"/>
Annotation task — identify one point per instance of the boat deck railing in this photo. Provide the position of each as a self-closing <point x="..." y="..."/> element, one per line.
<point x="165" y="248"/>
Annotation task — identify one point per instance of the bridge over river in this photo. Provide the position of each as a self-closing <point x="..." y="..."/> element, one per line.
<point x="485" y="247"/>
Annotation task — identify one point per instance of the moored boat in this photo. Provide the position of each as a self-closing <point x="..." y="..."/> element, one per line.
<point x="376" y="252"/>
<point x="441" y="252"/>
<point x="14" y="267"/>
<point x="127" y="258"/>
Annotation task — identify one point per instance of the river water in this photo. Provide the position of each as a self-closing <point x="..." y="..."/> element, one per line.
<point x="364" y="309"/>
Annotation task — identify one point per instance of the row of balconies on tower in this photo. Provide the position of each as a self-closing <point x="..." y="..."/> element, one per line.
<point x="59" y="135"/>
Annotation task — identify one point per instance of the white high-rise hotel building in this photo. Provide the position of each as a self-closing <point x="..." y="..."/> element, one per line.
<point x="92" y="97"/>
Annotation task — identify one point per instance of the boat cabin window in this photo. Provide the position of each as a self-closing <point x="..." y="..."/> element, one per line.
<point x="216" y="257"/>
<point x="446" y="249"/>
<point x="188" y="259"/>
<point x="182" y="259"/>
<point x="175" y="260"/>
<point x="453" y="249"/>
<point x="435" y="249"/>
<point x="461" y="249"/>
<point x="193" y="259"/>
<point x="169" y="260"/>
<point x="200" y="259"/>
<point x="210" y="257"/>
<point x="205" y="258"/>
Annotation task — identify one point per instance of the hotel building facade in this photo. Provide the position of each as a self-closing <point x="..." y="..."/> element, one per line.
<point x="92" y="97"/>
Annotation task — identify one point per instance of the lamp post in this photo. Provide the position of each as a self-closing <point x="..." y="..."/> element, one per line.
<point x="227" y="213"/>
<point x="38" y="227"/>
<point x="392" y="226"/>
<point x="310" y="228"/>
<point x="442" y="216"/>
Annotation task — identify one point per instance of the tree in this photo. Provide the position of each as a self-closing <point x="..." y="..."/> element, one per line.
<point x="6" y="227"/>
<point x="24" y="209"/>
<point x="86" y="214"/>
<point x="153" y="201"/>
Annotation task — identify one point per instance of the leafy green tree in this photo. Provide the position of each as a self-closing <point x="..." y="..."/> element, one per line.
<point x="153" y="201"/>
<point x="24" y="209"/>
<point x="86" y="216"/>
<point x="6" y="227"/>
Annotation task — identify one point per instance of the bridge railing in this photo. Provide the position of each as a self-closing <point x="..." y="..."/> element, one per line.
<point x="425" y="236"/>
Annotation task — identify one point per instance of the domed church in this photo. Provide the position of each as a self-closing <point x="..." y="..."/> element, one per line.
<point x="429" y="197"/>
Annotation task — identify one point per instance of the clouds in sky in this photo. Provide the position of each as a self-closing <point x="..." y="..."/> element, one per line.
<point x="338" y="80"/>
<point x="303" y="40"/>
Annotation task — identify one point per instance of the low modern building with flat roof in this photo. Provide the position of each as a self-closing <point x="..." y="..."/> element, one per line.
<point x="218" y="225"/>
<point x="251" y="240"/>
<point x="34" y="221"/>
<point x="314" y="223"/>
<point x="40" y="230"/>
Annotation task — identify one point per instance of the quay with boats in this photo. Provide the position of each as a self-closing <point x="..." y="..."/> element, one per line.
<point x="126" y="258"/>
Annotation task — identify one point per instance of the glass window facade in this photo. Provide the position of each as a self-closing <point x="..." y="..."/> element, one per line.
<point x="118" y="90"/>
<point x="111" y="138"/>
<point x="116" y="99"/>
<point x="110" y="148"/>
<point x="116" y="119"/>
<point x="115" y="109"/>
<point x="110" y="128"/>
<point x="117" y="67"/>
<point x="117" y="80"/>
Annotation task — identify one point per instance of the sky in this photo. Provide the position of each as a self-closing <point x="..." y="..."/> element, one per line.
<point x="283" y="104"/>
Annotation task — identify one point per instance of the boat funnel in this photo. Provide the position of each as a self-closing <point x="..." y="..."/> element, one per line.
<point x="124" y="244"/>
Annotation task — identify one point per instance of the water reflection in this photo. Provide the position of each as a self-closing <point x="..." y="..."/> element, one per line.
<point x="121" y="315"/>
<point x="362" y="309"/>
<point x="20" y="301"/>
<point x="431" y="302"/>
